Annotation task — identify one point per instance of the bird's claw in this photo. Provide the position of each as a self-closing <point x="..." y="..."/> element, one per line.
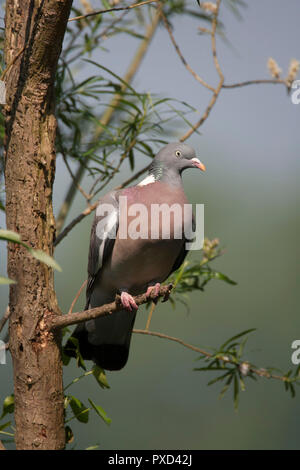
<point x="153" y="290"/>
<point x="128" y="301"/>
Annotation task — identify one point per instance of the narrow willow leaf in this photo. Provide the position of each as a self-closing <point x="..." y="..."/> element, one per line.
<point x="100" y="376"/>
<point x="5" y="425"/>
<point x="226" y="386"/>
<point x="242" y="384"/>
<point x="40" y="255"/>
<point x="69" y="435"/>
<point x="81" y="412"/>
<point x="8" y="405"/>
<point x="223" y="277"/>
<point x="218" y="379"/>
<point x="45" y="258"/>
<point x="237" y="336"/>
<point x="6" y="280"/>
<point x="100" y="412"/>
<point x="10" y="236"/>
<point x="292" y="390"/>
<point x="236" y="392"/>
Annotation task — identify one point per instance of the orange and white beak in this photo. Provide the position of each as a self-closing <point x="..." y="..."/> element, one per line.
<point x="198" y="164"/>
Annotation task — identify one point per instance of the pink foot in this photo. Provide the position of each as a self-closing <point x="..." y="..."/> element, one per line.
<point x="153" y="289"/>
<point x="128" y="301"/>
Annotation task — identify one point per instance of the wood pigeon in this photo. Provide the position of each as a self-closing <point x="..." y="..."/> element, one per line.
<point x="134" y="261"/>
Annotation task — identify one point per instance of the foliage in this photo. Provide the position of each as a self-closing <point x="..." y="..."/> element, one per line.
<point x="10" y="236"/>
<point x="233" y="369"/>
<point x="103" y="122"/>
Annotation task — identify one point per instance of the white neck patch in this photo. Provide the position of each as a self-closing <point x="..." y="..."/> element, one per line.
<point x="148" y="180"/>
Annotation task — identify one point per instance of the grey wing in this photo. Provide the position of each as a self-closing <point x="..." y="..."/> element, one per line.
<point x="103" y="234"/>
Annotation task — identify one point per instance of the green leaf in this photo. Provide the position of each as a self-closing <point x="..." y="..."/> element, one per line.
<point x="106" y="4"/>
<point x="10" y="236"/>
<point x="6" y="280"/>
<point x="69" y="435"/>
<point x="5" y="425"/>
<point x="226" y="386"/>
<point x="71" y="349"/>
<point x="100" y="412"/>
<point x="221" y="377"/>
<point x="131" y="159"/>
<point x="8" y="405"/>
<point x="40" y="255"/>
<point x="235" y="337"/>
<point x="81" y="412"/>
<point x="100" y="376"/>
<point x="236" y="392"/>
<point x="223" y="277"/>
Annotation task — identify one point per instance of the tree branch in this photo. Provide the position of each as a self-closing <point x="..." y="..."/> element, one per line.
<point x="260" y="372"/>
<point x="218" y="68"/>
<point x="256" y="82"/>
<point x="182" y="58"/>
<point x="77" y="297"/>
<point x="60" y="321"/>
<point x="107" y="116"/>
<point x="4" y="318"/>
<point x="100" y="12"/>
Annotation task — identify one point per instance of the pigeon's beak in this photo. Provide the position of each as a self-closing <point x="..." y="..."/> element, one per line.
<point x="198" y="164"/>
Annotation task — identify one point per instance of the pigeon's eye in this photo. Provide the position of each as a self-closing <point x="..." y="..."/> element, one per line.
<point x="178" y="153"/>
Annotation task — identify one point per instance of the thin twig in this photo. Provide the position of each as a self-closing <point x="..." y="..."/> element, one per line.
<point x="77" y="297"/>
<point x="2" y="446"/>
<point x="99" y="36"/>
<point x="220" y="85"/>
<point x="11" y="63"/>
<point x="100" y="12"/>
<point x="182" y="58"/>
<point x="4" y="318"/>
<point x="256" y="82"/>
<point x="172" y="338"/>
<point x="105" y="31"/>
<point x="74" y="178"/>
<point x="260" y="372"/>
<point x="74" y="222"/>
<point x="150" y="315"/>
<point x="213" y="41"/>
<point x="61" y="321"/>
<point x="203" y="117"/>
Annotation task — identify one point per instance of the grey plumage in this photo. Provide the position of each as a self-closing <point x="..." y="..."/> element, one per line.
<point x="129" y="266"/>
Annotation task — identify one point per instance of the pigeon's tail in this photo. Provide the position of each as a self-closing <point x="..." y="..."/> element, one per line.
<point x="105" y="340"/>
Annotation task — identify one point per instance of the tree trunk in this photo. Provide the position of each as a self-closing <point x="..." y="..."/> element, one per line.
<point x="34" y="35"/>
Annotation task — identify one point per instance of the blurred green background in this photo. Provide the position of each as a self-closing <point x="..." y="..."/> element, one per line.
<point x="250" y="146"/>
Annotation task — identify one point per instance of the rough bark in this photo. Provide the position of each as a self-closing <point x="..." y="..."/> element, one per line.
<point x="34" y="31"/>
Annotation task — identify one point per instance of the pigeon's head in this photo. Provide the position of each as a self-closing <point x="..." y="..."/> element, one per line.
<point x="170" y="162"/>
<point x="178" y="156"/>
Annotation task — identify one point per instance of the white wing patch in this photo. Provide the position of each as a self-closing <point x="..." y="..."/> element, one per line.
<point x="148" y="180"/>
